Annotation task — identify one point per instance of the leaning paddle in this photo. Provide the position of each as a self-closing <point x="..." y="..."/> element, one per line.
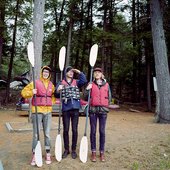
<point x="84" y="143"/>
<point x="58" y="143"/>
<point x="38" y="151"/>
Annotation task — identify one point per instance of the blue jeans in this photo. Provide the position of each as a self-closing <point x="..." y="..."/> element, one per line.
<point x="45" y="120"/>
<point x="74" y="116"/>
<point x="93" y="126"/>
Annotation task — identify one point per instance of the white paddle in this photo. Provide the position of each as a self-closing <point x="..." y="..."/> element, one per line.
<point x="84" y="143"/>
<point x="38" y="151"/>
<point x="58" y="143"/>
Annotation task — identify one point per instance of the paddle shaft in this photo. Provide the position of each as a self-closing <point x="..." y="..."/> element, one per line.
<point x="33" y="75"/>
<point x="88" y="103"/>
<point x="60" y="109"/>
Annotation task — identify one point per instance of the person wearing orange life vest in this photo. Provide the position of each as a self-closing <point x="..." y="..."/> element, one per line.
<point x="44" y="100"/>
<point x="99" y="102"/>
<point x="70" y="106"/>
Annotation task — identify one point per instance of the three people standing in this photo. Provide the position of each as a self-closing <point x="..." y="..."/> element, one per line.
<point x="70" y="89"/>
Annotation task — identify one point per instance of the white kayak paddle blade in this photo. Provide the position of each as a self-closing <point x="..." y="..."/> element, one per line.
<point x="30" y="51"/>
<point x="93" y="55"/>
<point x="62" y="55"/>
<point x="83" y="149"/>
<point x="58" y="148"/>
<point x="38" y="155"/>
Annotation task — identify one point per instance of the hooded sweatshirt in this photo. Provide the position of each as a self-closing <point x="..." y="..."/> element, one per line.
<point x="27" y="92"/>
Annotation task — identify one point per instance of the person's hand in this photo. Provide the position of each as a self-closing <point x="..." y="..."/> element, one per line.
<point x="76" y="70"/>
<point x="34" y="91"/>
<point x="60" y="87"/>
<point x="89" y="86"/>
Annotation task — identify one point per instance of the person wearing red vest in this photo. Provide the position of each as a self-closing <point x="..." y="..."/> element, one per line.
<point x="99" y="102"/>
<point x="44" y="100"/>
<point x="70" y="106"/>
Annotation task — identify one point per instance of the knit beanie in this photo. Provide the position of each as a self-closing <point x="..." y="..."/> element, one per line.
<point x="68" y="69"/>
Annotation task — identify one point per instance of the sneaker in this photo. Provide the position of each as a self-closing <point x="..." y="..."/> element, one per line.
<point x="65" y="154"/>
<point x="74" y="154"/>
<point x="33" y="160"/>
<point x="48" y="159"/>
<point x="93" y="157"/>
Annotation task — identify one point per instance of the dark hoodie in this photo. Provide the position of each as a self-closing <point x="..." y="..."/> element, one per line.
<point x="74" y="103"/>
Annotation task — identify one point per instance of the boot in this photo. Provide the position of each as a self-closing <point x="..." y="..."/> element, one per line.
<point x="65" y="154"/>
<point x="93" y="157"/>
<point x="102" y="157"/>
<point x="74" y="154"/>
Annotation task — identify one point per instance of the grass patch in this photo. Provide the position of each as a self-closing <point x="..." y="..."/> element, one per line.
<point x="135" y="166"/>
<point x="164" y="164"/>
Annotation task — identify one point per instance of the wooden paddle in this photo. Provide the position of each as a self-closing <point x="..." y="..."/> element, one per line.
<point x="38" y="150"/>
<point x="58" y="143"/>
<point x="84" y="143"/>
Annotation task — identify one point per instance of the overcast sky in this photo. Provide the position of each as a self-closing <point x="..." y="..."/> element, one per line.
<point x="125" y="13"/>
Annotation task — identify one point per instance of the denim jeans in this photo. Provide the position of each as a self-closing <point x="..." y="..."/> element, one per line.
<point x="93" y="126"/>
<point x="45" y="121"/>
<point x="74" y="116"/>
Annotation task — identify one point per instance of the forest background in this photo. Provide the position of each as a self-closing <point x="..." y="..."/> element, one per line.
<point x="132" y="50"/>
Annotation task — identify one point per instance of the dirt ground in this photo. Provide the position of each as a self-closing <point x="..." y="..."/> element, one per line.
<point x="133" y="141"/>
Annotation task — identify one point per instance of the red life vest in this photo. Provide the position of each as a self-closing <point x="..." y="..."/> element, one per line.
<point x="43" y="96"/>
<point x="73" y="83"/>
<point x="100" y="96"/>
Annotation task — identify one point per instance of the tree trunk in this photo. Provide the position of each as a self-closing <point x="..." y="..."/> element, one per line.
<point x="2" y="25"/>
<point x="103" y="49"/>
<point x="38" y="34"/>
<point x="134" y="97"/>
<point x="69" y="42"/>
<point x="167" y="27"/>
<point x="87" y="43"/>
<point x="148" y="51"/>
<point x="56" y="53"/>
<point x="139" y="58"/>
<point x="72" y="8"/>
<point x="161" y="62"/>
<point x="80" y="35"/>
<point x="12" y="54"/>
<point x="148" y="79"/>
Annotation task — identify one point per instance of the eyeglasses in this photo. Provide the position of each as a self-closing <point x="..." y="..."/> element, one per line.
<point x="46" y="71"/>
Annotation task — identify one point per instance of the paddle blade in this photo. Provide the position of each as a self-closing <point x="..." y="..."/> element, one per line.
<point x="58" y="148"/>
<point x="38" y="155"/>
<point x="30" y="51"/>
<point x="83" y="149"/>
<point x="93" y="55"/>
<point x="62" y="55"/>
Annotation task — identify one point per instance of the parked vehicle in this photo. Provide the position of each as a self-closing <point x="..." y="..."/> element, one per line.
<point x="19" y="83"/>
<point x="24" y="105"/>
